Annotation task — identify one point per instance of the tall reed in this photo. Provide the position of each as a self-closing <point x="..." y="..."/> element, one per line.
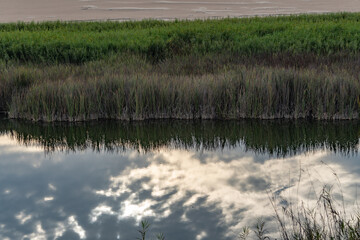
<point x="236" y="92"/>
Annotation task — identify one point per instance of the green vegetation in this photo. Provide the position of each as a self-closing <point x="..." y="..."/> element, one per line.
<point x="59" y="42"/>
<point x="303" y="66"/>
<point x="133" y="89"/>
<point x="144" y="228"/>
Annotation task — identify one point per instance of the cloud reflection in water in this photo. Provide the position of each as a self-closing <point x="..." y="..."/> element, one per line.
<point x="192" y="193"/>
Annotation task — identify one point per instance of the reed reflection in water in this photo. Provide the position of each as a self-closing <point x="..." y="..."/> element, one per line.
<point x="192" y="180"/>
<point x="276" y="137"/>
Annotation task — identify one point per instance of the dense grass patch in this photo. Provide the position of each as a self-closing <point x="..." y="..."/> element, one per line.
<point x="61" y="42"/>
<point x="133" y="89"/>
<point x="305" y="66"/>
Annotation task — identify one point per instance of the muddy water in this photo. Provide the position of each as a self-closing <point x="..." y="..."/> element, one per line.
<point x="191" y="180"/>
<point x="42" y="10"/>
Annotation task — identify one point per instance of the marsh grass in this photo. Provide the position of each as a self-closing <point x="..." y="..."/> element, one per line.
<point x="74" y="42"/>
<point x="303" y="66"/>
<point x="133" y="89"/>
<point x="324" y="218"/>
<point x="322" y="222"/>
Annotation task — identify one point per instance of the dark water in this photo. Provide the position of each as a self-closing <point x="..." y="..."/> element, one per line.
<point x="191" y="180"/>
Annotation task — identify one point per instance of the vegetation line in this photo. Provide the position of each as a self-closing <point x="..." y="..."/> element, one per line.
<point x="280" y="138"/>
<point x="303" y="66"/>
<point x="72" y="42"/>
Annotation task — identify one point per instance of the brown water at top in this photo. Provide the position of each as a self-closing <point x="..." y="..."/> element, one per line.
<point x="49" y="10"/>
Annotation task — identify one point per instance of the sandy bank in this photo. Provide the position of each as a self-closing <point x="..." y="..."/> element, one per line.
<point x="48" y="10"/>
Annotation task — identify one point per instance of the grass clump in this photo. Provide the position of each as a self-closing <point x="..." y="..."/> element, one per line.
<point x="324" y="221"/>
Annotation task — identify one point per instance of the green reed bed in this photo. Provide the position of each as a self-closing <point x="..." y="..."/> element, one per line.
<point x="273" y="67"/>
<point x="54" y="42"/>
<point x="136" y="90"/>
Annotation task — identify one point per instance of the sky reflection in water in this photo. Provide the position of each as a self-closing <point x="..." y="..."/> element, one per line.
<point x="190" y="184"/>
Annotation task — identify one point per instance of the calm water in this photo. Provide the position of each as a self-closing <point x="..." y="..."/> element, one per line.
<point x="191" y="180"/>
<point x="50" y="10"/>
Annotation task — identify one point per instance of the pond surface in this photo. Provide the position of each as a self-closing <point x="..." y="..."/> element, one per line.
<point x="190" y="180"/>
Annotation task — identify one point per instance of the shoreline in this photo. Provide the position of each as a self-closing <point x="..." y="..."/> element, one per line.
<point x="52" y="10"/>
<point x="67" y="119"/>
<point x="118" y="132"/>
<point x="173" y="19"/>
